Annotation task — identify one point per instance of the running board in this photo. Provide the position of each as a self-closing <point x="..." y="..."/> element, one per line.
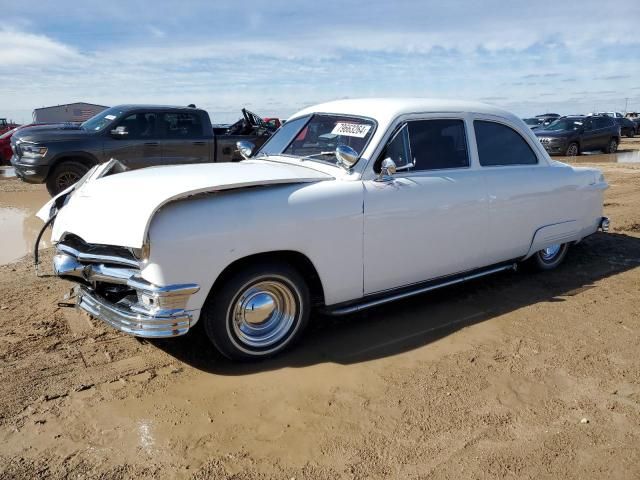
<point x="432" y="285"/>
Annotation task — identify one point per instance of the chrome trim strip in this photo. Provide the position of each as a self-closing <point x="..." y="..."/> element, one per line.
<point x="167" y="291"/>
<point x="65" y="265"/>
<point x="92" y="258"/>
<point x="159" y="325"/>
<point x="393" y="297"/>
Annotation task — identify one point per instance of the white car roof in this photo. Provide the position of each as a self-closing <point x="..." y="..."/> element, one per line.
<point x="388" y="108"/>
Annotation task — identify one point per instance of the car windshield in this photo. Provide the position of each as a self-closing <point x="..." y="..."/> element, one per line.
<point x="101" y="120"/>
<point x="532" y="121"/>
<point x="317" y="136"/>
<point x="566" y="124"/>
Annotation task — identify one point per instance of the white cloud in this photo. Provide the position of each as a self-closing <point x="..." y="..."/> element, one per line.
<point x="27" y="49"/>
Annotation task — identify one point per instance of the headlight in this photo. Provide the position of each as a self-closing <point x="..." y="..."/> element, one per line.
<point x="33" y="151"/>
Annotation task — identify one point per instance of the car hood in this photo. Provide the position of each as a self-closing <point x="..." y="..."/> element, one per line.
<point x="50" y="133"/>
<point x="117" y="209"/>
<point x="553" y="133"/>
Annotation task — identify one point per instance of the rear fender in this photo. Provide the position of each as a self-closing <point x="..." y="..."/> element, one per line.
<point x="546" y="236"/>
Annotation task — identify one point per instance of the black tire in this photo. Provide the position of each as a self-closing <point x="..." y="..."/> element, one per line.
<point x="544" y="260"/>
<point x="630" y="133"/>
<point x="278" y="286"/>
<point x="612" y="146"/>
<point x="573" y="150"/>
<point x="64" y="175"/>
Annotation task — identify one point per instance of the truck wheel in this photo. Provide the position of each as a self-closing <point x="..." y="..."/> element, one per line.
<point x="612" y="147"/>
<point x="64" y="175"/>
<point x="258" y="312"/>
<point x="572" y="150"/>
<point x="549" y="258"/>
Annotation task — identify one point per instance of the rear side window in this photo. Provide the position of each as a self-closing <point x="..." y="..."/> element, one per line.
<point x="182" y="125"/>
<point x="437" y="144"/>
<point x="501" y="145"/>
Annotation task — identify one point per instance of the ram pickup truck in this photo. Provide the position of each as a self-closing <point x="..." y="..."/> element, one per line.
<point x="136" y="135"/>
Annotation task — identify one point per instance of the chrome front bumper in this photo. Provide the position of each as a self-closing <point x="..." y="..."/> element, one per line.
<point x="160" y="324"/>
<point x="144" y="310"/>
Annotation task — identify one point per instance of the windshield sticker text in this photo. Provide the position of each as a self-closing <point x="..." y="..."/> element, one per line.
<point x="351" y="129"/>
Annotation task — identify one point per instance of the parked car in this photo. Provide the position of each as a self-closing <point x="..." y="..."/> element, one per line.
<point x="609" y="114"/>
<point x="5" y="146"/>
<point x="627" y="127"/>
<point x="5" y="143"/>
<point x="533" y="123"/>
<point x="349" y="205"/>
<point x="274" y="122"/>
<point x="136" y="135"/>
<point x="571" y="136"/>
<point x="5" y="125"/>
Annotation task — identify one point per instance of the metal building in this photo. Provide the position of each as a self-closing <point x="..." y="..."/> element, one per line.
<point x="70" y="112"/>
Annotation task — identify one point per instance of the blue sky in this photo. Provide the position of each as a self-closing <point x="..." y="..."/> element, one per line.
<point x="276" y="57"/>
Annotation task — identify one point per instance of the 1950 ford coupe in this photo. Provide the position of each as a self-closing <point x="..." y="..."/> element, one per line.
<point x="349" y="205"/>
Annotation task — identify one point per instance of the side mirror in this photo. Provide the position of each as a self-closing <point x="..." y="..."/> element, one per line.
<point x="119" y="132"/>
<point x="387" y="169"/>
<point x="347" y="156"/>
<point x="245" y="148"/>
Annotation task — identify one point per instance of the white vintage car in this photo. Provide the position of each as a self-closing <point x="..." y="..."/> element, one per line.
<point x="349" y="205"/>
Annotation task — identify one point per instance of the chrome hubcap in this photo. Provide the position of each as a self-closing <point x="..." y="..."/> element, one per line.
<point x="263" y="313"/>
<point x="573" y="151"/>
<point x="550" y="252"/>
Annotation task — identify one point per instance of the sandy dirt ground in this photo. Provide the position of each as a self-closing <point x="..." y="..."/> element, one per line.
<point x="518" y="375"/>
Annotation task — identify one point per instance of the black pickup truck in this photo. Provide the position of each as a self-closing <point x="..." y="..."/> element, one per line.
<point x="136" y="135"/>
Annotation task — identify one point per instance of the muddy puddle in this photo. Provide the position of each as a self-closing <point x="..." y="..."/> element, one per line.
<point x="18" y="224"/>
<point x="7" y="172"/>
<point x="631" y="156"/>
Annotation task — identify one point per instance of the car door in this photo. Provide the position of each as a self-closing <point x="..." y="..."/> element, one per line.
<point x="137" y="143"/>
<point x="524" y="192"/>
<point x="430" y="218"/>
<point x="184" y="139"/>
<point x="589" y="135"/>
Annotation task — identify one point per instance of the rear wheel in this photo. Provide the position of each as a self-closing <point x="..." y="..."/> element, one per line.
<point x="64" y="175"/>
<point x="258" y="312"/>
<point x="630" y="133"/>
<point x="550" y="257"/>
<point x="572" y="150"/>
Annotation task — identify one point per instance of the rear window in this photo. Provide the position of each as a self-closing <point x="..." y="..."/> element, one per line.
<point x="500" y="145"/>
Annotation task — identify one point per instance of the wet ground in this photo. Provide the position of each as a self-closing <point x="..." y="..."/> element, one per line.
<point x="626" y="156"/>
<point x="18" y="224"/>
<point x="517" y="375"/>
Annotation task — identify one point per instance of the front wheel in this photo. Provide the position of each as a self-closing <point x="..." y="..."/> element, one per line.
<point x="258" y="312"/>
<point x="550" y="257"/>
<point x="64" y="175"/>
<point x="572" y="150"/>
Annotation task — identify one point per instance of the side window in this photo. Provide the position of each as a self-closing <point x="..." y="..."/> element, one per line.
<point x="398" y="148"/>
<point x="436" y="144"/>
<point x="140" y="125"/>
<point x="501" y="145"/>
<point x="182" y="125"/>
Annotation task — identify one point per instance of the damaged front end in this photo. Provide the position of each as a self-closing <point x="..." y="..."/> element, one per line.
<point x="110" y="288"/>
